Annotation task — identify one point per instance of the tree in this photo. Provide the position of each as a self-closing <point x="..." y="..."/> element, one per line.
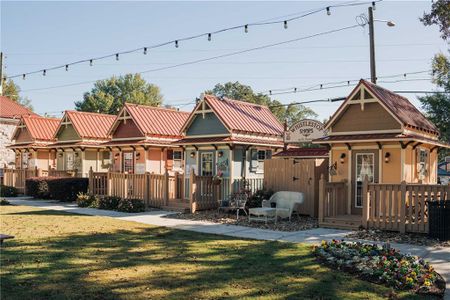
<point x="238" y="91"/>
<point x="12" y="91"/>
<point x="109" y="95"/>
<point x="439" y="15"/>
<point x="437" y="106"/>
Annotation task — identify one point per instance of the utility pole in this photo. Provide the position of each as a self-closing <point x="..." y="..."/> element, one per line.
<point x="1" y="73"/>
<point x="373" y="73"/>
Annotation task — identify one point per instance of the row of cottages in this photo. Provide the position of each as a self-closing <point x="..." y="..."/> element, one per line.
<point x="381" y="135"/>
<point x="222" y="137"/>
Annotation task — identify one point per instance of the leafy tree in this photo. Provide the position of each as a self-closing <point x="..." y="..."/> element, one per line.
<point x="109" y="95"/>
<point x="12" y="91"/>
<point x="439" y="15"/>
<point x="236" y="90"/>
<point x="437" y="106"/>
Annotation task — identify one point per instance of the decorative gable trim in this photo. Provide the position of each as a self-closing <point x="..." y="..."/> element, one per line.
<point x="64" y="122"/>
<point x="124" y="115"/>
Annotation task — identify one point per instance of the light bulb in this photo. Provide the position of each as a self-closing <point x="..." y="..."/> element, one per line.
<point x="44" y="72"/>
<point x="23" y="76"/>
<point x="91" y="62"/>
<point x="117" y="56"/>
<point x="373" y="5"/>
<point x="328" y="11"/>
<point x="246" y="28"/>
<point x="209" y="36"/>
<point x="176" y="44"/>
<point x="67" y="67"/>
<point x="145" y="50"/>
<point x="285" y="25"/>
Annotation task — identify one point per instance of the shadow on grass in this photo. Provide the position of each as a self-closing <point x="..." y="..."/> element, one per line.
<point x="165" y="263"/>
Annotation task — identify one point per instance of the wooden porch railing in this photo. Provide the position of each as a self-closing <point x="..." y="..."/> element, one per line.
<point x="17" y="177"/>
<point x="396" y="207"/>
<point x="400" y="207"/>
<point x="197" y="192"/>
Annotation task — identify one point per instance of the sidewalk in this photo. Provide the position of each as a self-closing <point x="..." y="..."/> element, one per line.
<point x="438" y="257"/>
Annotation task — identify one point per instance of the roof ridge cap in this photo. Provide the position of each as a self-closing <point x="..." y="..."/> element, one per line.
<point x="155" y="107"/>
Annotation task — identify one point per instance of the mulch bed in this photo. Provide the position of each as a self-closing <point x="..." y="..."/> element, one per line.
<point x="396" y="237"/>
<point x="383" y="265"/>
<point x="296" y="224"/>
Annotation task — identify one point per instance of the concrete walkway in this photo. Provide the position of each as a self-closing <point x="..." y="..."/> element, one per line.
<point x="438" y="257"/>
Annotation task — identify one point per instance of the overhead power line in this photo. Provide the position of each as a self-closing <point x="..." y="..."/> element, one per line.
<point x="177" y="42"/>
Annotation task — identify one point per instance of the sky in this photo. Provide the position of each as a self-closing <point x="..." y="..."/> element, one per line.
<point x="37" y="35"/>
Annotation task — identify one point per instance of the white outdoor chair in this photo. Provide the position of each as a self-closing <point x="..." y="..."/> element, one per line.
<point x="285" y="203"/>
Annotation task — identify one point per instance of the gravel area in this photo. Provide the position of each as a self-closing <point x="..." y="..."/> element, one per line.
<point x="296" y="224"/>
<point x="396" y="237"/>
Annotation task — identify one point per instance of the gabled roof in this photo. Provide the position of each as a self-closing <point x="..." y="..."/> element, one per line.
<point x="40" y="128"/>
<point x="239" y="116"/>
<point x="400" y="107"/>
<point x="155" y="121"/>
<point x="12" y="110"/>
<point x="89" y="125"/>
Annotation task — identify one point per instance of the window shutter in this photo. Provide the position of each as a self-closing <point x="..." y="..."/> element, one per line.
<point x="254" y="160"/>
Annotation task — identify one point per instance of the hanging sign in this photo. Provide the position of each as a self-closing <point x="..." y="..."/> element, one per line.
<point x="304" y="131"/>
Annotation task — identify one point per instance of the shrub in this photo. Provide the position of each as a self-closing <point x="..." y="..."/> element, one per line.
<point x="256" y="199"/>
<point x="4" y="202"/>
<point x="107" y="202"/>
<point x="86" y="200"/>
<point x="131" y="205"/>
<point x="67" y="189"/>
<point x="37" y="187"/>
<point x="8" y="191"/>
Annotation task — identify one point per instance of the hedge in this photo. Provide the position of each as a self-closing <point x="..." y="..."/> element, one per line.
<point x="131" y="205"/>
<point x="67" y="189"/>
<point x="37" y="187"/>
<point x="8" y="191"/>
<point x="62" y="189"/>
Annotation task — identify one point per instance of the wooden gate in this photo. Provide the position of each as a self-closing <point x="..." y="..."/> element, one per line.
<point x="297" y="175"/>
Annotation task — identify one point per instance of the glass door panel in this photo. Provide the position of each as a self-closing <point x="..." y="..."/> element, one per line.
<point x="365" y="166"/>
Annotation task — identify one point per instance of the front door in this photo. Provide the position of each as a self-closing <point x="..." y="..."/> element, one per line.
<point x="128" y="162"/>
<point x="207" y="163"/>
<point x="364" y="166"/>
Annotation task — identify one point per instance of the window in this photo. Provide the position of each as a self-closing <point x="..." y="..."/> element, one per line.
<point x="258" y="158"/>
<point x="422" y="163"/>
<point x="177" y="160"/>
<point x="365" y="166"/>
<point x="25" y="157"/>
<point x="128" y="162"/>
<point x="207" y="164"/>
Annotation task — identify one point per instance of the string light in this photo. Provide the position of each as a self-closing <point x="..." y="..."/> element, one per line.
<point x="209" y="37"/>
<point x="23" y="76"/>
<point x="90" y="62"/>
<point x="373" y="6"/>
<point x="44" y="72"/>
<point x="67" y="68"/>
<point x="145" y="50"/>
<point x="176" y="44"/>
<point x="296" y="16"/>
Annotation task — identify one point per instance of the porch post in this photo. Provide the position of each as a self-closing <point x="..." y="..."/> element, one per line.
<point x="366" y="204"/>
<point x="192" y="191"/>
<point x="350" y="183"/>
<point x="322" y="184"/>
<point x="402" y="224"/>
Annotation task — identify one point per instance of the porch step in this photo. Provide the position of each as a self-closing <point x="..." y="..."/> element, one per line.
<point x="342" y="222"/>
<point x="179" y="206"/>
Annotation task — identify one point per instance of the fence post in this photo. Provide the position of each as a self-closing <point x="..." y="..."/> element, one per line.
<point x="147" y="189"/>
<point x="322" y="187"/>
<point x="91" y="181"/>
<point x="192" y="191"/>
<point x="175" y="186"/>
<point x="402" y="224"/>
<point x="109" y="185"/>
<point x="166" y="188"/>
<point x="366" y="203"/>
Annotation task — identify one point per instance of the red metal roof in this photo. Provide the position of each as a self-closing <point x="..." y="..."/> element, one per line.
<point x="91" y="125"/>
<point x="239" y="116"/>
<point x="13" y="110"/>
<point x="227" y="139"/>
<point x="304" y="152"/>
<point x="41" y="128"/>
<point x="157" y="121"/>
<point x="400" y="106"/>
<point x="152" y="142"/>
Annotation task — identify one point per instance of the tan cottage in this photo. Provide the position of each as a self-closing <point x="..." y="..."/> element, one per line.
<point x="381" y="135"/>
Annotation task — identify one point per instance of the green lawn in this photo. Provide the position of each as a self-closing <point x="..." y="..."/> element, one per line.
<point x="57" y="255"/>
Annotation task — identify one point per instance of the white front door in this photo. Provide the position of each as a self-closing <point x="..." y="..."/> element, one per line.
<point x="365" y="166"/>
<point x="207" y="163"/>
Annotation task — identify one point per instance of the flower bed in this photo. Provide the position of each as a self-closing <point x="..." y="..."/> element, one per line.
<point x="384" y="265"/>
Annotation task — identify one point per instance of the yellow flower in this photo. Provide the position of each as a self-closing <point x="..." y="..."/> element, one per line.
<point x="427" y="283"/>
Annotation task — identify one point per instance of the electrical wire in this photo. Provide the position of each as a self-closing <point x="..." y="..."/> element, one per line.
<point x="176" y="42"/>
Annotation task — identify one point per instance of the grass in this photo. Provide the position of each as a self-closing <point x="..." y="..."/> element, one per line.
<point x="57" y="255"/>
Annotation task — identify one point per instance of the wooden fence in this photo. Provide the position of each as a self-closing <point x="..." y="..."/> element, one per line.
<point x="17" y="177"/>
<point x="396" y="207"/>
<point x="193" y="192"/>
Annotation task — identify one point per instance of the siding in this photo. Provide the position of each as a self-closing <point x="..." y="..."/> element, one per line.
<point x="23" y="136"/>
<point x="373" y="117"/>
<point x="67" y="133"/>
<point x="127" y="130"/>
<point x="208" y="125"/>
